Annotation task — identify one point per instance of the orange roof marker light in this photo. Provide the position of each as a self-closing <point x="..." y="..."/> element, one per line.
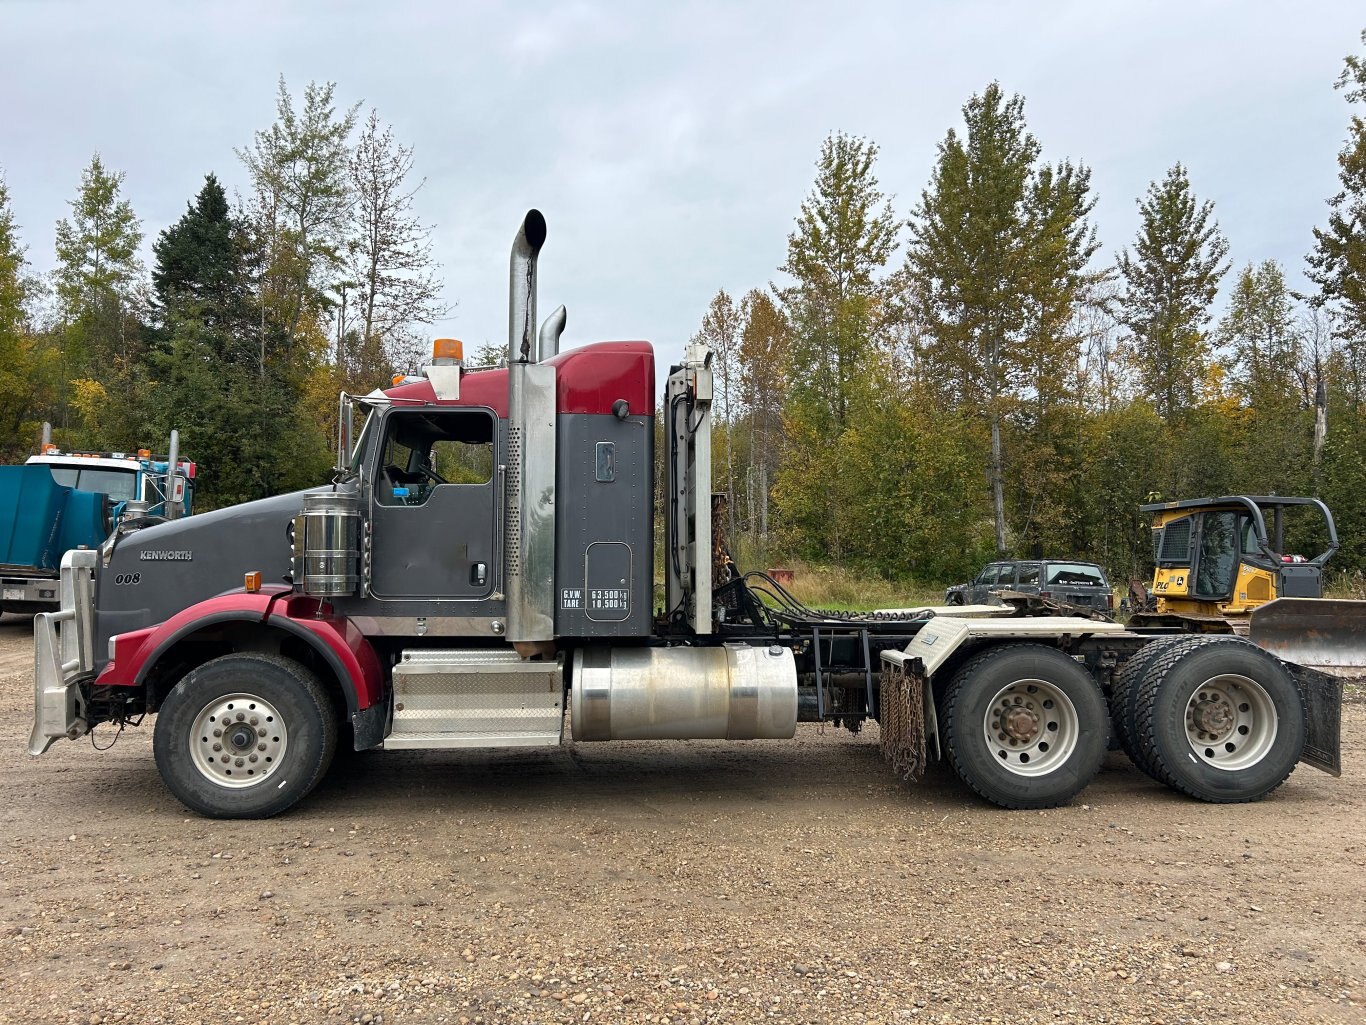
<point x="448" y="363"/>
<point x="446" y="351"/>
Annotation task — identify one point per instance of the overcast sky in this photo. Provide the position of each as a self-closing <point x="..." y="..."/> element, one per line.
<point x="669" y="145"/>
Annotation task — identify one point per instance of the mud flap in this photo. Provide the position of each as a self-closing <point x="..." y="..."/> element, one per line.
<point x="1312" y="631"/>
<point x="1323" y="718"/>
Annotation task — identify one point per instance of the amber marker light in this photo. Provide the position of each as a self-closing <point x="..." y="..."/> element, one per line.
<point x="252" y="581"/>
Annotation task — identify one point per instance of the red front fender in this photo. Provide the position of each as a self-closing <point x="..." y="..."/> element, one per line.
<point x="335" y="638"/>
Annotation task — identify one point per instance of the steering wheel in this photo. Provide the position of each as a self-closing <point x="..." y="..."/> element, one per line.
<point x="431" y="474"/>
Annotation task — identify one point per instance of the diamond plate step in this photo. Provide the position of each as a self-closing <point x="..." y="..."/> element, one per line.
<point x="475" y="698"/>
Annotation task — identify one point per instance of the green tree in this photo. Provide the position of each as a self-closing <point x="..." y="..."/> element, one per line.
<point x="997" y="258"/>
<point x="202" y="257"/>
<point x="97" y="283"/>
<point x="1338" y="263"/>
<point x="24" y="366"/>
<point x="300" y="171"/>
<point x="1169" y="283"/>
<point x="1260" y="334"/>
<point x="248" y="426"/>
<point x="844" y="236"/>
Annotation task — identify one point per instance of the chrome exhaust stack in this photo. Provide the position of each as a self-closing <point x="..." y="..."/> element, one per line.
<point x="529" y="528"/>
<point x="522" y="289"/>
<point x="548" y="344"/>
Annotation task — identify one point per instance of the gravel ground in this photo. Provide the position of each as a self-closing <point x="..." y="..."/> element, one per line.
<point x="677" y="882"/>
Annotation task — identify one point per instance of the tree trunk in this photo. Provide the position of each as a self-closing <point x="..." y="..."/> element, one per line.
<point x="1320" y="421"/>
<point x="998" y="499"/>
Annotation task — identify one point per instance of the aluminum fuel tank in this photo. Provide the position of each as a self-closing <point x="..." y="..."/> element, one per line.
<point x="729" y="692"/>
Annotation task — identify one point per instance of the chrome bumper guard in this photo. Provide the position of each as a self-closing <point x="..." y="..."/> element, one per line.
<point x="64" y="655"/>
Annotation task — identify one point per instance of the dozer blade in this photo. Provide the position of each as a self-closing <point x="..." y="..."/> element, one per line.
<point x="1312" y="631"/>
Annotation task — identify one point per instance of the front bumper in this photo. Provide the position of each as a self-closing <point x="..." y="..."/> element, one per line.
<point x="64" y="655"/>
<point x="29" y="590"/>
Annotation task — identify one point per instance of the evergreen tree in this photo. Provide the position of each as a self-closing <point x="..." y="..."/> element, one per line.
<point x="1338" y="263"/>
<point x="999" y="247"/>
<point x="1170" y="281"/>
<point x="201" y="261"/>
<point x="246" y="425"/>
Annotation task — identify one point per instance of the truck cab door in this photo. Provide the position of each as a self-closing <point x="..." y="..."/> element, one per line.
<point x="433" y="502"/>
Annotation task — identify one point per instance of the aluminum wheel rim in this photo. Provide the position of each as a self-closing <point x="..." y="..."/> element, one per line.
<point x="238" y="740"/>
<point x="1031" y="727"/>
<point x="1231" y="722"/>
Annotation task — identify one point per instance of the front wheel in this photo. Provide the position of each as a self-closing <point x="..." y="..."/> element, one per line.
<point x="244" y="736"/>
<point x="1025" y="726"/>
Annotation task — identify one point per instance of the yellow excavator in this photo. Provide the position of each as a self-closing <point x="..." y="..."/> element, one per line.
<point x="1222" y="568"/>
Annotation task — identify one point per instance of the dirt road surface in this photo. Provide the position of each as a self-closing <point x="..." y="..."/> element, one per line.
<point x="682" y="882"/>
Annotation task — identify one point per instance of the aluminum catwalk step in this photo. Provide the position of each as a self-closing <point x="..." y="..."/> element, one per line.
<point x="475" y="698"/>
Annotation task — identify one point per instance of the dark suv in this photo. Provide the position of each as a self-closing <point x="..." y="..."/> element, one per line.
<point x="1078" y="583"/>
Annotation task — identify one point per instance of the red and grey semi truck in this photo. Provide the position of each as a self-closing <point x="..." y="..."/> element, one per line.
<point x="483" y="563"/>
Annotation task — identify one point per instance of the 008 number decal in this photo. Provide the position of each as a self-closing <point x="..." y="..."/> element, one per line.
<point x="121" y="579"/>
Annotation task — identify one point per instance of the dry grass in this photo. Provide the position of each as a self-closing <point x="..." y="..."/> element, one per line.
<point x="834" y="587"/>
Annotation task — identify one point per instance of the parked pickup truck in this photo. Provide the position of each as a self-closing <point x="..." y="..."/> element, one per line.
<point x="1077" y="583"/>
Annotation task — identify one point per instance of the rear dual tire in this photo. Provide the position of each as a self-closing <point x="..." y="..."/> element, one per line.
<point x="1217" y="719"/>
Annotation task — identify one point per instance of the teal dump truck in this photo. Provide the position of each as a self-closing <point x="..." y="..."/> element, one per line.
<point x="58" y="501"/>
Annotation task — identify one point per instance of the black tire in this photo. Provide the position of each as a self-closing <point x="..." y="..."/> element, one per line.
<point x="954" y="599"/>
<point x="1125" y="686"/>
<point x="1058" y="754"/>
<point x="256" y="770"/>
<point x="1248" y="702"/>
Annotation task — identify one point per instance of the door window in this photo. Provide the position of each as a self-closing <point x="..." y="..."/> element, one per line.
<point x="425" y="451"/>
<point x="1218" y="555"/>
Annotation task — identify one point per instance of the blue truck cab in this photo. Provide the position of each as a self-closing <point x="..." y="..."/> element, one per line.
<point x="58" y="501"/>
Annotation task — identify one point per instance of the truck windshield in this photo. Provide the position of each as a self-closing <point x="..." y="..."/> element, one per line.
<point x="119" y="485"/>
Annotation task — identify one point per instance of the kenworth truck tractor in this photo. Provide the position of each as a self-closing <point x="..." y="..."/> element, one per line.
<point x="483" y="563"/>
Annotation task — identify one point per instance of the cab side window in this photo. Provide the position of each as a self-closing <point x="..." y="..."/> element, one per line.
<point x="426" y="450"/>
